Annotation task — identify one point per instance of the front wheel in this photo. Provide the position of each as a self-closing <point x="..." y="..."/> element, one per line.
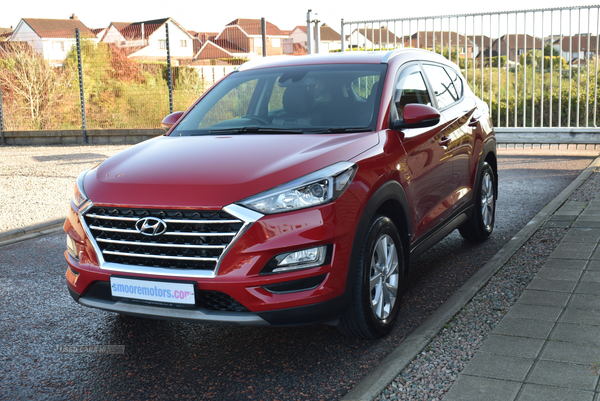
<point x="481" y="223"/>
<point x="378" y="283"/>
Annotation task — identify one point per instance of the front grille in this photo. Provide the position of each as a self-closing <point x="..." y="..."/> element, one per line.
<point x="193" y="240"/>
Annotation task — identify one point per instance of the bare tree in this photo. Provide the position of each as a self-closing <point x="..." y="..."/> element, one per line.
<point x="36" y="87"/>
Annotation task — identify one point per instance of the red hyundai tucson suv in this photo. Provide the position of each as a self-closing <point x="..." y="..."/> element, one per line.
<point x="297" y="190"/>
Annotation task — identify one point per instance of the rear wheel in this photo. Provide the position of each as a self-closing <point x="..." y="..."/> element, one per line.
<point x="481" y="223"/>
<point x="378" y="283"/>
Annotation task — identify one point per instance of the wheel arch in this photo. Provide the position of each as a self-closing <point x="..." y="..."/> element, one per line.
<point x="389" y="200"/>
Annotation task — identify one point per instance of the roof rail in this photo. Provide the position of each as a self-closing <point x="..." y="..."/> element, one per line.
<point x="390" y="55"/>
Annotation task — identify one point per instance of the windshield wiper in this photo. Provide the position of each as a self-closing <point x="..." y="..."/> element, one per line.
<point x="255" y="130"/>
<point x="336" y="130"/>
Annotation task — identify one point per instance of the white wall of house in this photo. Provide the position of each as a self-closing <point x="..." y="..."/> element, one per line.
<point x="299" y="36"/>
<point x="180" y="44"/>
<point x="357" y="39"/>
<point x="23" y="33"/>
<point x="114" y="36"/>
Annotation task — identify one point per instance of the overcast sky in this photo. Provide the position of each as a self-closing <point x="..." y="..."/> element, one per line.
<point x="211" y="16"/>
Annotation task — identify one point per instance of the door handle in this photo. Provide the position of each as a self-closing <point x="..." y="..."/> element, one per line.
<point x="444" y="142"/>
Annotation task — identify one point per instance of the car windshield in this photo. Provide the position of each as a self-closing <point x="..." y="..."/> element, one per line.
<point x="297" y="99"/>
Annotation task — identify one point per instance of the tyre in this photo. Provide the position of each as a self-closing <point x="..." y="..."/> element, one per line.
<point x="378" y="283"/>
<point x="481" y="223"/>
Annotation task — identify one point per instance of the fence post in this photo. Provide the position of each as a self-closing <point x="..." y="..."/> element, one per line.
<point x="2" y="118"/>
<point x="308" y="34"/>
<point x="169" y="76"/>
<point x="81" y="93"/>
<point x="343" y="39"/>
<point x="263" y="29"/>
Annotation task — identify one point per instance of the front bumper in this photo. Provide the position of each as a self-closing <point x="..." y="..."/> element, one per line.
<point x="239" y="275"/>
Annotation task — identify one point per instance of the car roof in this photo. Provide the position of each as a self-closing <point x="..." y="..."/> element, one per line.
<point x="350" y="57"/>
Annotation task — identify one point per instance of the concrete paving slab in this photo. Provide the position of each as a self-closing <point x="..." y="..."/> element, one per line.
<point x="469" y="388"/>
<point x="547" y="273"/>
<point x="585" y="301"/>
<point x="534" y="312"/>
<point x="576" y="333"/>
<point x="552" y="285"/>
<point x="591" y="277"/>
<point x="524" y="328"/>
<point x="581" y="316"/>
<point x="563" y="374"/>
<point x="587" y="354"/>
<point x="556" y="223"/>
<point x="586" y="224"/>
<point x="593" y="266"/>
<point x="512" y="346"/>
<point x="499" y="367"/>
<point x="536" y="392"/>
<point x="582" y="235"/>
<point x="573" y="251"/>
<point x="544" y="298"/>
<point x="570" y="264"/>
<point x="588" y="288"/>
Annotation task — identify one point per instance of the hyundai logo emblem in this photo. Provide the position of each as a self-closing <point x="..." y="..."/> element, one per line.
<point x="151" y="226"/>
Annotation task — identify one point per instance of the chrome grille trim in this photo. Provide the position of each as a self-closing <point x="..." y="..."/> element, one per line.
<point x="190" y="247"/>
<point x="142" y="256"/>
<point x="162" y="245"/>
<point x="183" y="233"/>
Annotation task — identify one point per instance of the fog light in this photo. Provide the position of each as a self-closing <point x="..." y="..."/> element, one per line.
<point x="297" y="260"/>
<point x="72" y="248"/>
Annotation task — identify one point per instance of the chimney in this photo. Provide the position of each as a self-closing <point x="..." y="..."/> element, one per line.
<point x="73" y="16"/>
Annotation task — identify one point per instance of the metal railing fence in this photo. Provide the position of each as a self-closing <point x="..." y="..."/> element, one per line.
<point x="534" y="68"/>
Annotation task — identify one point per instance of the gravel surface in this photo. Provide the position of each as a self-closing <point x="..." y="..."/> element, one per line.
<point x="431" y="374"/>
<point x="37" y="182"/>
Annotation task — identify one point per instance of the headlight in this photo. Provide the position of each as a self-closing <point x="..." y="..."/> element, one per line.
<point x="79" y="196"/>
<point x="314" y="189"/>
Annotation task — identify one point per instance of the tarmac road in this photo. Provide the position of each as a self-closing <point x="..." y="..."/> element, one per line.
<point x="47" y="340"/>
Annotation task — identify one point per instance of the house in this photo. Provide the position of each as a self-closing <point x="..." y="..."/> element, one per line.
<point x="329" y="39"/>
<point x="200" y="38"/>
<point x="147" y="39"/>
<point x="576" y="47"/>
<point x="483" y="43"/>
<point x="5" y="33"/>
<point x="514" y="45"/>
<point x="243" y="39"/>
<point x="51" y="38"/>
<point x="99" y="32"/>
<point x="430" y="40"/>
<point x="373" y="38"/>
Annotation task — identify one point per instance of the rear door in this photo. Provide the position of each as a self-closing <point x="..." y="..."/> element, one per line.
<point x="457" y="136"/>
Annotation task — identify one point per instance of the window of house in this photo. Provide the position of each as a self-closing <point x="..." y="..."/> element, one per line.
<point x="162" y="44"/>
<point x="58" y="46"/>
<point x="183" y="43"/>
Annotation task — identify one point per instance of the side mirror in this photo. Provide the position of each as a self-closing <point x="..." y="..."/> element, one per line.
<point x="171" y="119"/>
<point x="417" y="116"/>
